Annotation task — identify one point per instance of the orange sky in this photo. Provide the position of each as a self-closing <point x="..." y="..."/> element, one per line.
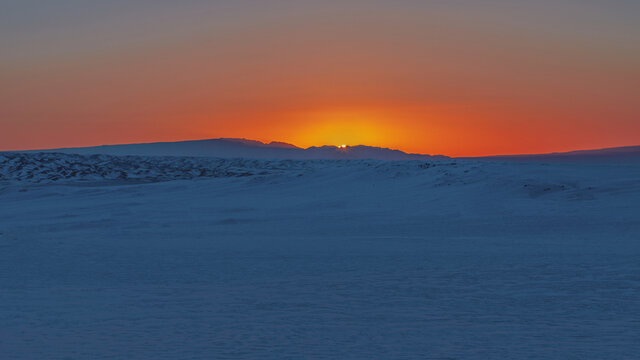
<point x="453" y="78"/>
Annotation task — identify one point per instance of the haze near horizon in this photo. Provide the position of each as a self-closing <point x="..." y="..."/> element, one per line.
<point x="461" y="78"/>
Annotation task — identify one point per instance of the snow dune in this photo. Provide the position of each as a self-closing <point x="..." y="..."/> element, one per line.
<point x="188" y="257"/>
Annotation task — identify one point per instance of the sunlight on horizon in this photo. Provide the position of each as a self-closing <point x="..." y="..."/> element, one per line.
<point x="346" y="128"/>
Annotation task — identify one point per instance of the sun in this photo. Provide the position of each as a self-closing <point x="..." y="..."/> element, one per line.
<point x="343" y="127"/>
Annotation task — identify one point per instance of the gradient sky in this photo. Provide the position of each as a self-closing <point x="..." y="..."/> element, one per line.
<point x="455" y="77"/>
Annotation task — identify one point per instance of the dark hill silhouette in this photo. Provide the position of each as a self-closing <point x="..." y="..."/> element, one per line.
<point x="616" y="154"/>
<point x="245" y="148"/>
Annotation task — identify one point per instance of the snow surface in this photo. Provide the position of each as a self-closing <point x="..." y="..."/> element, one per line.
<point x="113" y="257"/>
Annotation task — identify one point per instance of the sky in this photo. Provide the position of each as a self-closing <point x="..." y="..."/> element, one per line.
<point x="454" y="77"/>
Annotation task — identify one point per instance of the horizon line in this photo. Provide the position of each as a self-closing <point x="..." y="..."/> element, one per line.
<point x="558" y="152"/>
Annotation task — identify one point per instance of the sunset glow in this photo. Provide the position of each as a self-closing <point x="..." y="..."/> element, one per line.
<point x="454" y="78"/>
<point x="273" y="179"/>
<point x="343" y="127"/>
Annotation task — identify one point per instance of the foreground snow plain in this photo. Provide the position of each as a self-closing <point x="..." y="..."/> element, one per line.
<point x="113" y="257"/>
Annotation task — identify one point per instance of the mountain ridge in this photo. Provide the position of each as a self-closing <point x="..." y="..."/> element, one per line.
<point x="246" y="148"/>
<point x="255" y="149"/>
<point x="619" y="153"/>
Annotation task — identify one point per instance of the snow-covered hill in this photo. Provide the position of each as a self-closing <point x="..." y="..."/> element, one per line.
<point x="243" y="148"/>
<point x="536" y="179"/>
<point x="59" y="167"/>
<point x="607" y="155"/>
<point x="70" y="168"/>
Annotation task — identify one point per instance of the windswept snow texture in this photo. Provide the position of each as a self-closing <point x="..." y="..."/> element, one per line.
<point x="109" y="257"/>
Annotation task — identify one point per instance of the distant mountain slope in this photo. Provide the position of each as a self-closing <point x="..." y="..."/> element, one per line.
<point x="624" y="153"/>
<point x="244" y="148"/>
<point x="253" y="149"/>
